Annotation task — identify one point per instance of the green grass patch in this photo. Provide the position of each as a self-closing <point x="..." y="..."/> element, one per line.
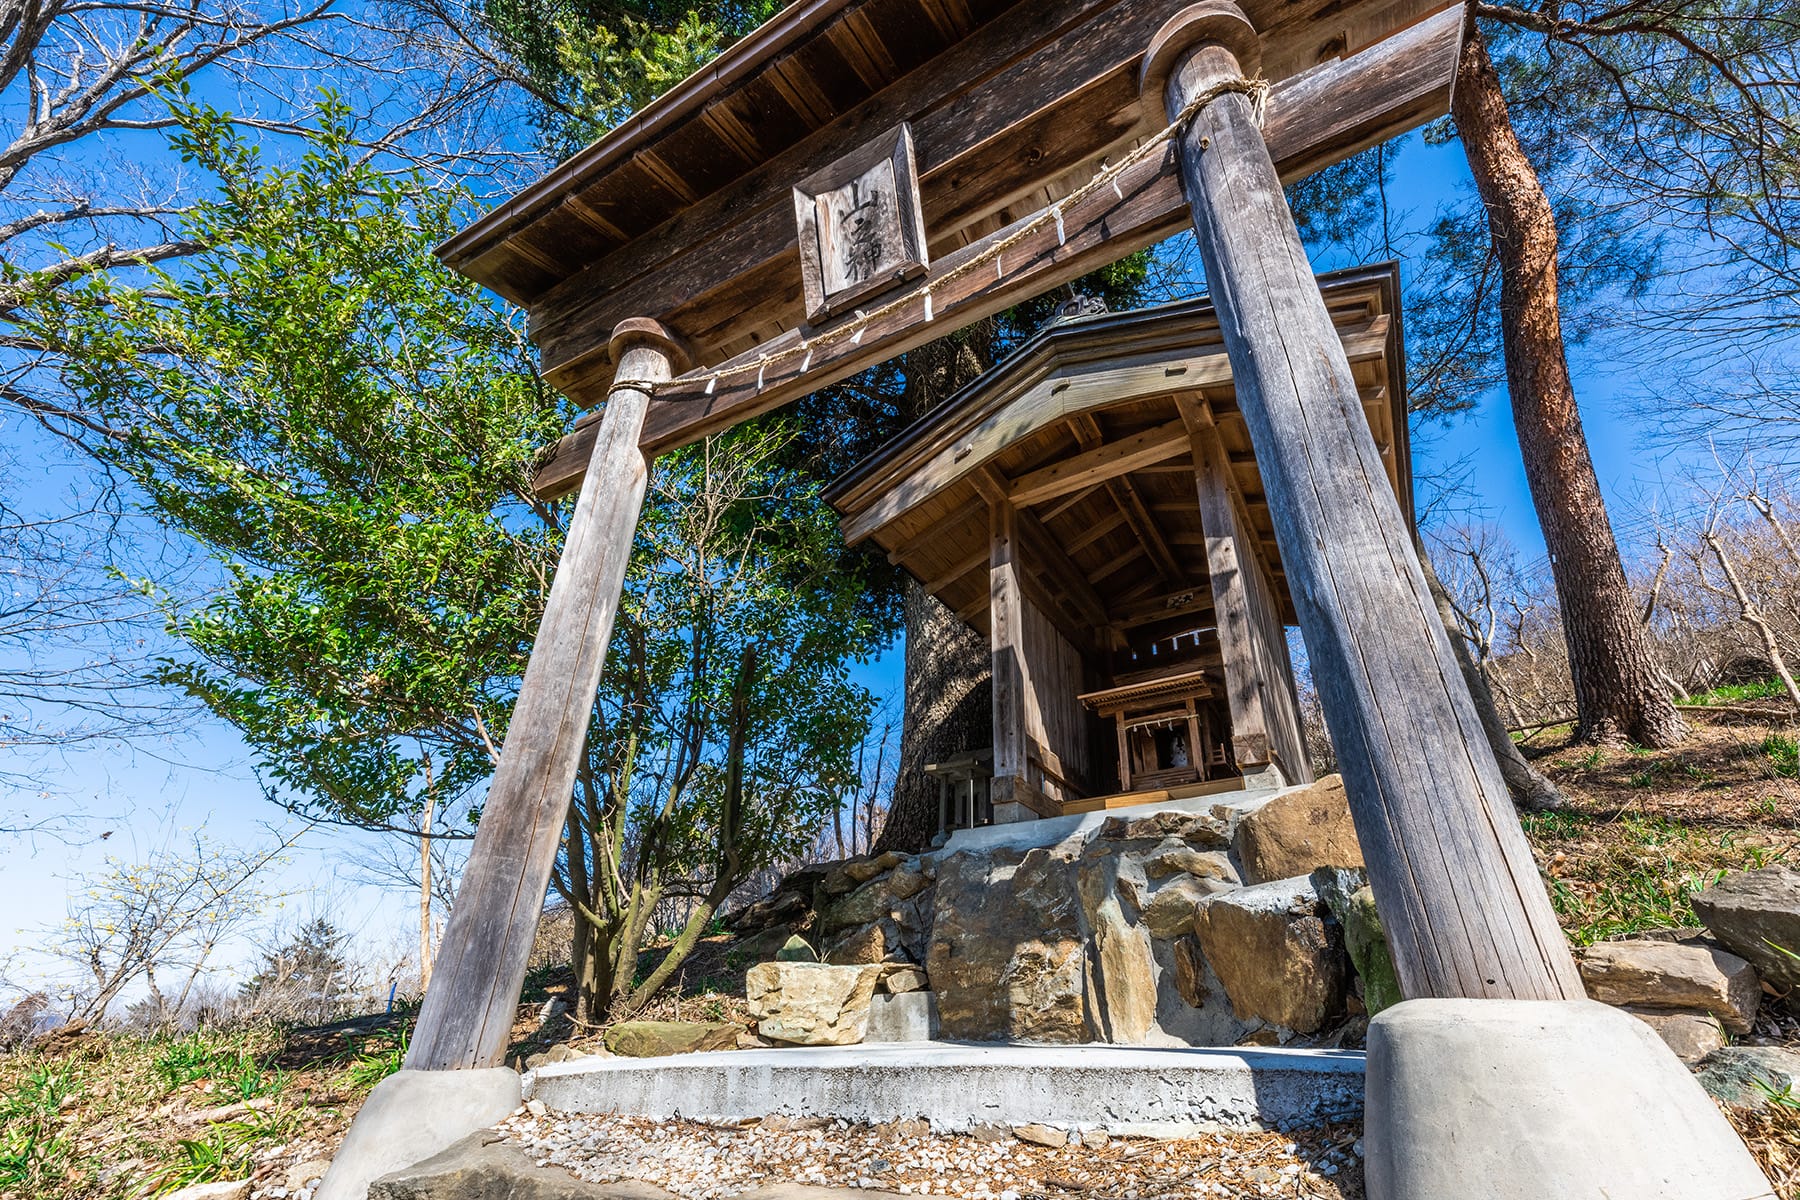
<point x="1783" y="753"/>
<point x="231" y="1065"/>
<point x="1737" y="693"/>
<point x="1633" y="873"/>
<point x="34" y="1146"/>
<point x="377" y="1057"/>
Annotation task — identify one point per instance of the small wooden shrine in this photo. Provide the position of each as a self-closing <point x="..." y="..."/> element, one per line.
<point x="1139" y="637"/>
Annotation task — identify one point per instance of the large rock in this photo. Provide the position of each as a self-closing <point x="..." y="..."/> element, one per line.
<point x="863" y="870"/>
<point x="1347" y="893"/>
<point x="1692" y="1036"/>
<point x="872" y="943"/>
<point x="1297" y="832"/>
<point x="1172" y="908"/>
<point x="484" y="1167"/>
<point x="1750" y="1076"/>
<point x="1174" y="856"/>
<point x="1671" y="977"/>
<point x="1190" y="972"/>
<point x="1274" y="953"/>
<point x="412" y="1115"/>
<point x="1205" y="831"/>
<point x="877" y="898"/>
<point x="1124" y="971"/>
<point x="1756" y="914"/>
<point x="1540" y="1099"/>
<point x="1007" y="955"/>
<point x="811" y="1004"/>
<point x="654" y="1039"/>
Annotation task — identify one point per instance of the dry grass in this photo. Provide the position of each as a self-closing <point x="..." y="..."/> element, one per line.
<point x="124" y="1116"/>
<point x="1648" y="828"/>
<point x="1773" y="1135"/>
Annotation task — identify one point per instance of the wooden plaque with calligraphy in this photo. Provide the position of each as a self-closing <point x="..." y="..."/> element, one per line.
<point x="862" y="230"/>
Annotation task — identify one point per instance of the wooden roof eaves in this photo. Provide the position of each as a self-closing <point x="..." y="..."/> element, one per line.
<point x="782" y="33"/>
<point x="1029" y="365"/>
<point x="1106" y="336"/>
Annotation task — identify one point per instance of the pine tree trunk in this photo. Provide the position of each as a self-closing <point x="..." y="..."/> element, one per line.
<point x="949" y="709"/>
<point x="1617" y="693"/>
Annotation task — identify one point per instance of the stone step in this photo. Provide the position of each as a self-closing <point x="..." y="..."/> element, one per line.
<point x="1125" y="1090"/>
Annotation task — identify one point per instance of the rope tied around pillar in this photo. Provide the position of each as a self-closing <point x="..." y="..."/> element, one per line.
<point x="1257" y="90"/>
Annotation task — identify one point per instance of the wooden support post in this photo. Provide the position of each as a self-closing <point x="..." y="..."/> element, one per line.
<point x="1006" y="630"/>
<point x="1259" y="675"/>
<point x="1465" y="911"/>
<point x="469" y="1008"/>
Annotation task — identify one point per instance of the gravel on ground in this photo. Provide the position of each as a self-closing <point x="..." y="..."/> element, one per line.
<point x="697" y="1161"/>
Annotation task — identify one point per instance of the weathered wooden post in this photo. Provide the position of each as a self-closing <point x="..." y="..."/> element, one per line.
<point x="468" y="1011"/>
<point x="1466" y="913"/>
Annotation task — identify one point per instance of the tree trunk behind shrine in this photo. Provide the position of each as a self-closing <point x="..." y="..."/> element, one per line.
<point x="949" y="709"/>
<point x="1617" y="693"/>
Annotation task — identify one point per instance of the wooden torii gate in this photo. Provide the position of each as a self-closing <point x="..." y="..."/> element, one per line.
<point x="1047" y="137"/>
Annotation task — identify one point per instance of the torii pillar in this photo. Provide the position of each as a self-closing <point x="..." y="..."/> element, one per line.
<point x="1465" y="911"/>
<point x="468" y="1012"/>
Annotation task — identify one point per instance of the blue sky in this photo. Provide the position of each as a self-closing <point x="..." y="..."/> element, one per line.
<point x="202" y="776"/>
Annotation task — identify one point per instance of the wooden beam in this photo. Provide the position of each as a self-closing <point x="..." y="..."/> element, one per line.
<point x="1132" y="507"/>
<point x="1465" y="910"/>
<point x="1006" y="634"/>
<point x="1259" y="678"/>
<point x="1066" y="577"/>
<point x="1106" y="461"/>
<point x="934" y="586"/>
<point x="467" y="1016"/>
<point x="1066" y="503"/>
<point x="963" y="512"/>
<point x="1094" y="532"/>
<point x="1107" y="569"/>
<point x="1314" y="119"/>
<point x="1162" y="607"/>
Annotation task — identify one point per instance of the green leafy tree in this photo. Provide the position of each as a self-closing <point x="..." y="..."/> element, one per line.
<point x="589" y="64"/>
<point x="349" y="429"/>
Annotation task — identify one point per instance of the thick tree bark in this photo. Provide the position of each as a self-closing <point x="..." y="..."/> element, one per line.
<point x="1617" y="693"/>
<point x="1530" y="790"/>
<point x="949" y="709"/>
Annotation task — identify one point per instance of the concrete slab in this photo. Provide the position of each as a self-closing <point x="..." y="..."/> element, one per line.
<point x="1258" y="789"/>
<point x="1123" y="1089"/>
<point x="1534" y="1099"/>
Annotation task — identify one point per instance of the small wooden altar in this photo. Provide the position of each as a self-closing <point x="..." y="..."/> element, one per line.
<point x="1093" y="505"/>
<point x="1165" y="734"/>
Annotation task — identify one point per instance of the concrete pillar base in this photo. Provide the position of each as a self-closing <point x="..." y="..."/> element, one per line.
<point x="412" y="1115"/>
<point x="1532" y="1099"/>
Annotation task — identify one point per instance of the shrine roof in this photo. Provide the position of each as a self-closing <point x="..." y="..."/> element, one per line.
<point x="1089" y="401"/>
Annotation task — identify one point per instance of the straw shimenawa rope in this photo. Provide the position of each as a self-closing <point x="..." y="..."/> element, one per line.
<point x="1256" y="89"/>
